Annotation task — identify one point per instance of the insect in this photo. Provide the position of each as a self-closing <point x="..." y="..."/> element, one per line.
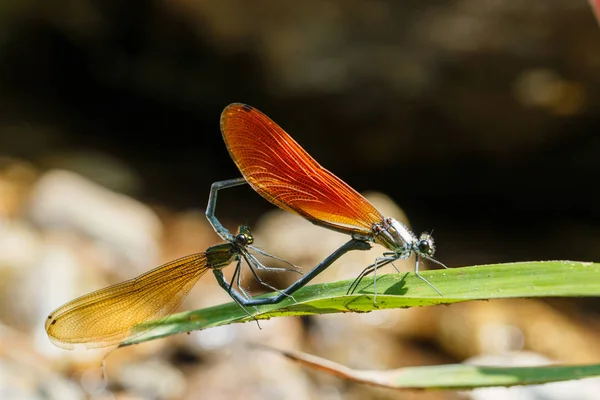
<point x="282" y="172"/>
<point x="109" y="316"/>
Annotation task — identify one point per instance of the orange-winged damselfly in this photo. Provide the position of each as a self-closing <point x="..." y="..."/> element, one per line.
<point x="282" y="172"/>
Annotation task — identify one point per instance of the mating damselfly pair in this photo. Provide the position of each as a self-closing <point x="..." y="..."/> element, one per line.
<point x="282" y="172"/>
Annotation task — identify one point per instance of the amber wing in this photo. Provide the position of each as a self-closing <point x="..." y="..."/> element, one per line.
<point x="107" y="316"/>
<point x="285" y="174"/>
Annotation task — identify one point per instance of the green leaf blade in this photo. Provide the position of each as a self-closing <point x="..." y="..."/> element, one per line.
<point x="525" y="279"/>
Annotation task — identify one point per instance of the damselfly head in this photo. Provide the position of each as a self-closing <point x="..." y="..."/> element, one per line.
<point x="425" y="245"/>
<point x="244" y="236"/>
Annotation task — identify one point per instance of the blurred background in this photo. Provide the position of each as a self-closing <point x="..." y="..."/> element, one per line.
<point x="475" y="118"/>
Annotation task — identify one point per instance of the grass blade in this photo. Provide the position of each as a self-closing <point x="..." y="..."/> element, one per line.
<point x="524" y="279"/>
<point x="451" y="376"/>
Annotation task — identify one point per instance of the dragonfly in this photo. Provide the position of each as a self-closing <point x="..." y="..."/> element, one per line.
<point x="108" y="316"/>
<point x="282" y="172"/>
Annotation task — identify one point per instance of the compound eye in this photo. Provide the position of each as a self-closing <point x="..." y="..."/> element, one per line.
<point x="242" y="240"/>
<point x="426" y="245"/>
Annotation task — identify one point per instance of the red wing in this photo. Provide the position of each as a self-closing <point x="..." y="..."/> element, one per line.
<point x="285" y="174"/>
<point x="107" y="316"/>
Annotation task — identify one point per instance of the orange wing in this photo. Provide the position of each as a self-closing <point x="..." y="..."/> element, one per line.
<point x="108" y="316"/>
<point x="285" y="174"/>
